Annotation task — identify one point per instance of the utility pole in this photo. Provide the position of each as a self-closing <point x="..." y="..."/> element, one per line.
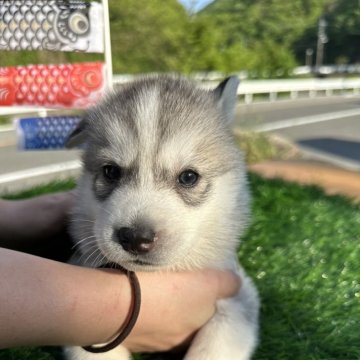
<point x="309" y="57"/>
<point x="322" y="39"/>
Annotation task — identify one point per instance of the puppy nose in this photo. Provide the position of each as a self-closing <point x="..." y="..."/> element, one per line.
<point x="136" y="241"/>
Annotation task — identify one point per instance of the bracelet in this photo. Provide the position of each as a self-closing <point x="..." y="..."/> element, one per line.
<point x="132" y="316"/>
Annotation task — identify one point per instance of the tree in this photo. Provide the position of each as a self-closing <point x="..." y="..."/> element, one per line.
<point x="248" y="21"/>
<point x="147" y="35"/>
<point x="343" y="17"/>
<point x="260" y="34"/>
<point x="343" y="24"/>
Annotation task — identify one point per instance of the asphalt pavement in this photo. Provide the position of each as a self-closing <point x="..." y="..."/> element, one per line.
<point x="324" y="128"/>
<point x="259" y="113"/>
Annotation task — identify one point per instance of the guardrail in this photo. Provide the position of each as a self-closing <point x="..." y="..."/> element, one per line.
<point x="247" y="90"/>
<point x="272" y="88"/>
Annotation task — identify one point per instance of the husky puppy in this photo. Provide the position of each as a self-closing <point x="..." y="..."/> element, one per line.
<point x="164" y="188"/>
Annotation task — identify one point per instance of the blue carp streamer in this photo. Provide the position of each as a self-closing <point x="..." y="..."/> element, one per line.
<point x="44" y="133"/>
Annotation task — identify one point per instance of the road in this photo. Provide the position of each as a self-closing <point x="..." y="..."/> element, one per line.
<point x="260" y="113"/>
<point x="325" y="128"/>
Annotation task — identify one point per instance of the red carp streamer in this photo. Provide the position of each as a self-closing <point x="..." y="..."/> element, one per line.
<point x="69" y="85"/>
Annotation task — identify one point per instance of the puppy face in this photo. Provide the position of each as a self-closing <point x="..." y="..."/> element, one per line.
<point x="163" y="184"/>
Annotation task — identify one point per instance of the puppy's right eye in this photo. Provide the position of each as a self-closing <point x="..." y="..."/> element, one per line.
<point x="112" y="172"/>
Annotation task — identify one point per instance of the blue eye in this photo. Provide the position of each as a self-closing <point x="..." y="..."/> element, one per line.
<point x="112" y="172"/>
<point x="188" y="178"/>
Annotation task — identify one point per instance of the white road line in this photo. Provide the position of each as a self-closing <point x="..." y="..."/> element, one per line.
<point x="282" y="124"/>
<point x="76" y="164"/>
<point x="40" y="171"/>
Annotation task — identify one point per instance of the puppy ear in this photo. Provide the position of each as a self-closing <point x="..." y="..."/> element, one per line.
<point x="78" y="136"/>
<point x="226" y="97"/>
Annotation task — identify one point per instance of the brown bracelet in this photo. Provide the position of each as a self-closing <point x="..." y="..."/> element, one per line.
<point x="133" y="314"/>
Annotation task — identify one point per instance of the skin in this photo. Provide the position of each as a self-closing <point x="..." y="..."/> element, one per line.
<point x="43" y="304"/>
<point x="32" y="222"/>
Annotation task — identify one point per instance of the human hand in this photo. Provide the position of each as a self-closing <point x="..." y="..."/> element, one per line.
<point x="175" y="305"/>
<point x="31" y="222"/>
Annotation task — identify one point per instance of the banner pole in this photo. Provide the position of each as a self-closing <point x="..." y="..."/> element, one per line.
<point x="107" y="39"/>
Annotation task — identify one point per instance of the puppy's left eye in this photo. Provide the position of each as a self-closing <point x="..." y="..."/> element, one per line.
<point x="188" y="178"/>
<point x="112" y="172"/>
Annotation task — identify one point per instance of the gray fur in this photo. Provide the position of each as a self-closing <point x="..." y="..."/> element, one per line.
<point x="226" y="93"/>
<point x="154" y="129"/>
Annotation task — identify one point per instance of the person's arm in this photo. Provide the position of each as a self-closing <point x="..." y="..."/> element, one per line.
<point x="43" y="302"/>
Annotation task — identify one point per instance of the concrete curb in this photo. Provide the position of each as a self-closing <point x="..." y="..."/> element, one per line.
<point x="21" y="180"/>
<point x="332" y="179"/>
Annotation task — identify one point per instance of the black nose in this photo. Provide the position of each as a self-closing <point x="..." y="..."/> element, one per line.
<point x="136" y="241"/>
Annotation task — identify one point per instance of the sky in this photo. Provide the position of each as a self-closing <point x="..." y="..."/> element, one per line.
<point x="199" y="4"/>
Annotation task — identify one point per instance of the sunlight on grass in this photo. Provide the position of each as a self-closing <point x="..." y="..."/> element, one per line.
<point x="303" y="251"/>
<point x="259" y="147"/>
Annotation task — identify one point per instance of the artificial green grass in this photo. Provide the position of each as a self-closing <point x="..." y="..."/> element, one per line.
<point x="303" y="251"/>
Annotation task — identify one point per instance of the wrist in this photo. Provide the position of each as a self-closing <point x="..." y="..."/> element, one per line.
<point x="131" y="318"/>
<point x="104" y="302"/>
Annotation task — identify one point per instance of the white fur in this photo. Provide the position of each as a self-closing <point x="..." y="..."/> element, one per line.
<point x="188" y="237"/>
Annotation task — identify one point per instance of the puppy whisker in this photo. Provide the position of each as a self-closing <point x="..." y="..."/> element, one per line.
<point x="88" y="237"/>
<point x="92" y="254"/>
<point x="85" y="251"/>
<point x="81" y="220"/>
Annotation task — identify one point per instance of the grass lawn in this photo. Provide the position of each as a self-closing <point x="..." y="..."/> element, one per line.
<point x="303" y="251"/>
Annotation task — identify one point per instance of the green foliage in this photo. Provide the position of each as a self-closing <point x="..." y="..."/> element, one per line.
<point x="201" y="46"/>
<point x="343" y="24"/>
<point x="248" y="21"/>
<point x="302" y="249"/>
<point x="266" y="38"/>
<point x="259" y="34"/>
<point x="147" y="35"/>
<point x="343" y="19"/>
<point x="257" y="147"/>
<point x="272" y="60"/>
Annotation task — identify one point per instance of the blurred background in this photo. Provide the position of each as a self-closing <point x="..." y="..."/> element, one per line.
<point x="261" y="39"/>
<point x="299" y="62"/>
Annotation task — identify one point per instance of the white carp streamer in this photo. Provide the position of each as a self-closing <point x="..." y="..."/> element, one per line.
<point x="67" y="25"/>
